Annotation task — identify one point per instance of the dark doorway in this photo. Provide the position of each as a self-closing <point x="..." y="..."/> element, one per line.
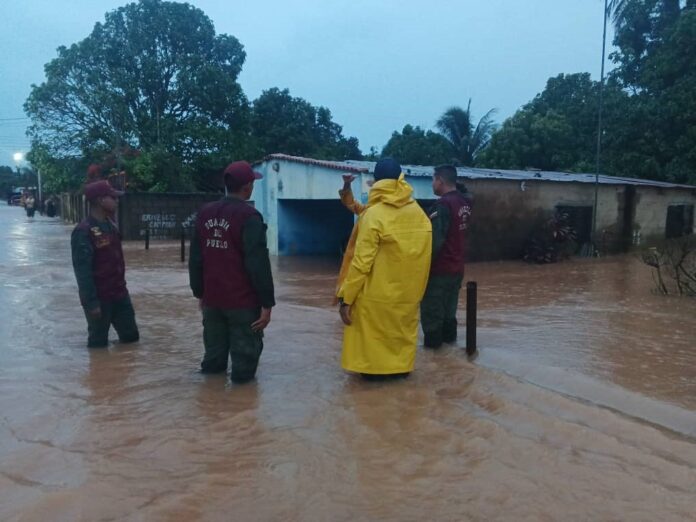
<point x="627" y="216"/>
<point x="680" y="221"/>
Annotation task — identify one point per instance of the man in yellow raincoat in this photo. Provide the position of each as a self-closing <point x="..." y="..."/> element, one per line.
<point x="386" y="279"/>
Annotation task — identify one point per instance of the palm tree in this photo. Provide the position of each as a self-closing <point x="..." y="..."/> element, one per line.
<point x="617" y="8"/>
<point x="669" y="9"/>
<point x="457" y="127"/>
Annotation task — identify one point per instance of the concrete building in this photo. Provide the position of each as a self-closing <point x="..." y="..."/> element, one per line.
<point x="298" y="198"/>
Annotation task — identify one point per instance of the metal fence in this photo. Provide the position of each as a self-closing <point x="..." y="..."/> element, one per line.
<point x="73" y="207"/>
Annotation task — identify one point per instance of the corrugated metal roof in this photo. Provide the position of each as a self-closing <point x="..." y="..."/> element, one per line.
<point x="334" y="165"/>
<point x="528" y="175"/>
<point x="476" y="173"/>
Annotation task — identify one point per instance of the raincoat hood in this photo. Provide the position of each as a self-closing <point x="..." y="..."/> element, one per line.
<point x="394" y="192"/>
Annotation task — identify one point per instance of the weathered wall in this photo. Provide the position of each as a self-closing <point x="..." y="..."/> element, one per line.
<point x="651" y="211"/>
<point x="505" y="212"/>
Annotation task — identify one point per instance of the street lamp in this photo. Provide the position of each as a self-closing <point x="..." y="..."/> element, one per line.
<point x="18" y="157"/>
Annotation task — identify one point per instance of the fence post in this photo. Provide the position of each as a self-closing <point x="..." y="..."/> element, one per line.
<point x="183" y="244"/>
<point x="471" y="295"/>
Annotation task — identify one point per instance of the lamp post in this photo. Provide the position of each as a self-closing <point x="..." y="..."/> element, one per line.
<point x="18" y="158"/>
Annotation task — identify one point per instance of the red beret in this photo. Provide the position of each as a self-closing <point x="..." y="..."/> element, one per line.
<point x="100" y="189"/>
<point x="240" y="173"/>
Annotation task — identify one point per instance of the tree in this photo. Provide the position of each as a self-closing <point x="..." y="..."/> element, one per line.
<point x="283" y="123"/>
<point x="8" y="179"/>
<point x="153" y="75"/>
<point x="372" y="155"/>
<point x="649" y="111"/>
<point x="467" y="139"/>
<point x="665" y="9"/>
<point x="642" y="26"/>
<point x="669" y="95"/>
<point x="58" y="174"/>
<point x="656" y="41"/>
<point x="617" y="8"/>
<point x="414" y="146"/>
<point x="557" y="130"/>
<point x="673" y="265"/>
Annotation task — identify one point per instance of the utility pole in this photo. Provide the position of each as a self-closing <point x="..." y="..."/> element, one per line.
<point x="599" y="131"/>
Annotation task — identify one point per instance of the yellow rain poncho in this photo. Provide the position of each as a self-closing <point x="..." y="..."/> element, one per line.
<point x="386" y="281"/>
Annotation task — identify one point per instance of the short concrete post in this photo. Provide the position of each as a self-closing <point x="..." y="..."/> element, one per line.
<point x="471" y="296"/>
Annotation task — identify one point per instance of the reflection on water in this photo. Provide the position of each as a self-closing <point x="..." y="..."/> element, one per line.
<point x="135" y="433"/>
<point x="594" y="317"/>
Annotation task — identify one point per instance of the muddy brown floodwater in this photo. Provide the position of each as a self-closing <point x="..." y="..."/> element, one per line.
<point x="581" y="405"/>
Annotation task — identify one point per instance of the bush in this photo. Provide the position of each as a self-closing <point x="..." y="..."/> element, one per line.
<point x="674" y="265"/>
<point x="553" y="241"/>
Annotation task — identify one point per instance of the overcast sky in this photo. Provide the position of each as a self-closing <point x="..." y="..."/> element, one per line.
<point x="377" y="64"/>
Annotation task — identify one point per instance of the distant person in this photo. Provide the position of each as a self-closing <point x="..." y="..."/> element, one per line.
<point x="51" y="209"/>
<point x="386" y="279"/>
<point x="30" y="205"/>
<point x="230" y="272"/>
<point x="347" y="199"/>
<point x="450" y="220"/>
<point x="100" y="270"/>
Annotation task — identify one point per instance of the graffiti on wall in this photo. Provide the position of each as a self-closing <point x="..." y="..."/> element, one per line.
<point x="189" y="221"/>
<point x="164" y="225"/>
<point x="160" y="225"/>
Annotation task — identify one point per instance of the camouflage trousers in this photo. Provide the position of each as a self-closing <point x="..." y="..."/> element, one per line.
<point x="120" y="315"/>
<point x="439" y="309"/>
<point x="227" y="334"/>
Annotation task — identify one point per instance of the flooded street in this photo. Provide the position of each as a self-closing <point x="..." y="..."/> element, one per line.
<point x="581" y="405"/>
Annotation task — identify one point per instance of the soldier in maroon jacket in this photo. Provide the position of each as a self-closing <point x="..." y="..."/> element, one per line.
<point x="450" y="220"/>
<point x="230" y="272"/>
<point x="100" y="270"/>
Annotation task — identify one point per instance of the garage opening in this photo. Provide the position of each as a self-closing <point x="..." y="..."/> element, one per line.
<point x="313" y="227"/>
